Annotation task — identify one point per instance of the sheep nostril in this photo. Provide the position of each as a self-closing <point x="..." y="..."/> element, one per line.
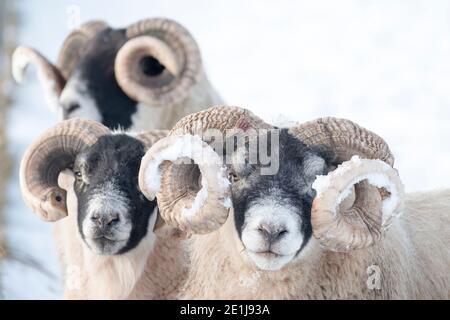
<point x="105" y="220"/>
<point x="263" y="231"/>
<point x="281" y="233"/>
<point x="113" y="220"/>
<point x="272" y="234"/>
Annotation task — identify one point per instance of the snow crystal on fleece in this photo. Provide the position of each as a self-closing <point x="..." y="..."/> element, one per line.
<point x="199" y="200"/>
<point x="224" y="184"/>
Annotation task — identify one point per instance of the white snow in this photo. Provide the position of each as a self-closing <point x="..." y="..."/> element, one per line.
<point x="390" y="205"/>
<point x="183" y="146"/>
<point x="224" y="184"/>
<point x="28" y="238"/>
<point x="191" y="147"/>
<point x="199" y="200"/>
<point x="383" y="64"/>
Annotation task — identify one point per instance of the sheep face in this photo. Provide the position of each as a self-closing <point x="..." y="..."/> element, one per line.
<point x="333" y="178"/>
<point x="272" y="213"/>
<point x="92" y="91"/>
<point x="113" y="215"/>
<point x="144" y="76"/>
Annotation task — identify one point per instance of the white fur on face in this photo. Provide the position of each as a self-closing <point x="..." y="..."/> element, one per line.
<point x="75" y="92"/>
<point x="108" y="201"/>
<point x="271" y="215"/>
<point x="115" y="277"/>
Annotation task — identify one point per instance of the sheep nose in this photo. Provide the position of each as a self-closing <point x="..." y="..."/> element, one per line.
<point x="105" y="220"/>
<point x="272" y="233"/>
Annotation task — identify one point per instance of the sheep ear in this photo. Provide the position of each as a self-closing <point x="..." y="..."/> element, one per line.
<point x="159" y="222"/>
<point x="313" y="165"/>
<point x="66" y="179"/>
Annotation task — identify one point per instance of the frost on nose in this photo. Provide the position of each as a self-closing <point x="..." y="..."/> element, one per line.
<point x="272" y="233"/>
<point x="107" y="200"/>
<point x="106" y="227"/>
<point x="107" y="208"/>
<point x="105" y="220"/>
<point x="273" y="227"/>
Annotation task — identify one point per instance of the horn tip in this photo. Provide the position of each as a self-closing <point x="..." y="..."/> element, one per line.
<point x="19" y="62"/>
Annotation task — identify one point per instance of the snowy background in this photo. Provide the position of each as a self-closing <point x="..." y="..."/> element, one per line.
<point x="384" y="64"/>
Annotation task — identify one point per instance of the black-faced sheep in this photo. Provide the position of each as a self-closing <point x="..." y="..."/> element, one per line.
<point x="85" y="176"/>
<point x="145" y="76"/>
<point x="290" y="235"/>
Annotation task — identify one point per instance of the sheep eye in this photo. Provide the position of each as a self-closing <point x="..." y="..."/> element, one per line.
<point x="72" y="107"/>
<point x="78" y="174"/>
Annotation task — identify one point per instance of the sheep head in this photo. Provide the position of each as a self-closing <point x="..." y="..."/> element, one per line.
<point x="203" y="185"/>
<point x="275" y="212"/>
<point x="111" y="75"/>
<point x="78" y="168"/>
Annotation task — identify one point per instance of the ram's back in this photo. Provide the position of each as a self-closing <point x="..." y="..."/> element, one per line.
<point x="427" y="222"/>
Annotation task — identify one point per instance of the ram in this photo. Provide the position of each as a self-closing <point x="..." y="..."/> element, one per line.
<point x="85" y="177"/>
<point x="145" y="76"/>
<point x="349" y="233"/>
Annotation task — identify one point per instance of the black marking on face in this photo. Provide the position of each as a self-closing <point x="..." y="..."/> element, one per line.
<point x="114" y="160"/>
<point x="291" y="185"/>
<point x="96" y="68"/>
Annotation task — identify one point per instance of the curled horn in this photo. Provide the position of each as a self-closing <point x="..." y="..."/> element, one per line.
<point x="194" y="198"/>
<point x="54" y="151"/>
<point x="73" y="46"/>
<point x="360" y="225"/>
<point x="53" y="77"/>
<point x="177" y="56"/>
<point x="150" y="137"/>
<point x="49" y="75"/>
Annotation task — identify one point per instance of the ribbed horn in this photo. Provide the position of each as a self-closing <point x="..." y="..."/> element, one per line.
<point x="345" y="138"/>
<point x="150" y="137"/>
<point x="160" y="62"/>
<point x="74" y="45"/>
<point x="360" y="225"/>
<point x="54" y="151"/>
<point x="194" y="197"/>
<point x="49" y="75"/>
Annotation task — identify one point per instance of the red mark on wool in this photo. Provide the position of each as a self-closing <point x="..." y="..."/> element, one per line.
<point x="243" y="124"/>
